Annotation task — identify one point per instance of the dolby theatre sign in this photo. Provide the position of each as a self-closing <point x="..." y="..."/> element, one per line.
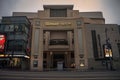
<point x="57" y="23"/>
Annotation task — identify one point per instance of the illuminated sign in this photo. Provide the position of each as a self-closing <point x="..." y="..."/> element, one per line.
<point x="58" y="23"/>
<point x="2" y="42"/>
<point x="108" y="51"/>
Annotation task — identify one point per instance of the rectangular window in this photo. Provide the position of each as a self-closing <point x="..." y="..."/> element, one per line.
<point x="78" y="23"/>
<point x="9" y="28"/>
<point x="119" y="29"/>
<point x="35" y="63"/>
<point x="58" y="12"/>
<point x="44" y="55"/>
<point x="37" y="23"/>
<point x="99" y="47"/>
<point x="16" y="45"/>
<point x="94" y="42"/>
<point x="2" y="28"/>
<point x="118" y="48"/>
<point x="35" y="56"/>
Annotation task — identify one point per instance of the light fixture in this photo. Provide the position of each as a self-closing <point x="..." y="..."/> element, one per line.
<point x="82" y="65"/>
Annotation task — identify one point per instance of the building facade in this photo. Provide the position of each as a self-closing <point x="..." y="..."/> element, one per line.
<point x="63" y="38"/>
<point x="15" y="53"/>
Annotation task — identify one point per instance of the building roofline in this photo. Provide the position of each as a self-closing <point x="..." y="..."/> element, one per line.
<point x="57" y="6"/>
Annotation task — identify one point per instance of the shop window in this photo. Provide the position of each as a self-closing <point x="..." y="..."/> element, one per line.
<point x="35" y="63"/>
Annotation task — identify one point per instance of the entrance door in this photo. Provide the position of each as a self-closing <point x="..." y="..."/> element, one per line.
<point x="58" y="58"/>
<point x="55" y="59"/>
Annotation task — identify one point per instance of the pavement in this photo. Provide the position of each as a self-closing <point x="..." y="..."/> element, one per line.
<point x="59" y="75"/>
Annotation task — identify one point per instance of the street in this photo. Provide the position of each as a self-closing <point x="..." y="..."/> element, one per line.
<point x="60" y="75"/>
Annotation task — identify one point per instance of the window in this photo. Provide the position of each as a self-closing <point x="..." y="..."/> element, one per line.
<point x="37" y="23"/>
<point x="79" y="23"/>
<point x="35" y="63"/>
<point x="119" y="29"/>
<point x="16" y="28"/>
<point x="58" y="12"/>
<point x="35" y="56"/>
<point x="1" y="28"/>
<point x="16" y="45"/>
<point x="118" y="48"/>
<point x="44" y="55"/>
<point x="94" y="42"/>
<point x="72" y="55"/>
<point x="112" y="29"/>
<point x="9" y="28"/>
<point x="58" y="42"/>
<point x="99" y="43"/>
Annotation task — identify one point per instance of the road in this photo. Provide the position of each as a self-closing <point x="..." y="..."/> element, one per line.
<point x="60" y="75"/>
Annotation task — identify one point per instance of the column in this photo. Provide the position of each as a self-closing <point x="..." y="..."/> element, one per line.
<point x="47" y="38"/>
<point x="85" y="49"/>
<point x="69" y="38"/>
<point x="76" y="49"/>
<point x="40" y="58"/>
<point x="48" y="60"/>
<point x="65" y="61"/>
<point x="37" y="48"/>
<point x="68" y="59"/>
<point x="51" y="59"/>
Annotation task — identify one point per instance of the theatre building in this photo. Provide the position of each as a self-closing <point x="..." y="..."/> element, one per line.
<point x="66" y="39"/>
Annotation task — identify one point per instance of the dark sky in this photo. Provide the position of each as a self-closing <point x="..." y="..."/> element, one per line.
<point x="110" y="8"/>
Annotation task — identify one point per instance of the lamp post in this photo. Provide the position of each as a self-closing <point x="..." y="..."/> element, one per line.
<point x="109" y="51"/>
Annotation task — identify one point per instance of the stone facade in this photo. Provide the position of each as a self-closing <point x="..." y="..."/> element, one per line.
<point x="68" y="39"/>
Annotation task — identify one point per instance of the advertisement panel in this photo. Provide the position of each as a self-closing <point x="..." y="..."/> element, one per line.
<point x="2" y="42"/>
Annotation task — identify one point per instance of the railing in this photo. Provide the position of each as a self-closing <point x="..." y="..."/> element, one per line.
<point x="58" y="42"/>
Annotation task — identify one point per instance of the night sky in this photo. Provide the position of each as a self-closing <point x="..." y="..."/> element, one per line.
<point x="110" y="8"/>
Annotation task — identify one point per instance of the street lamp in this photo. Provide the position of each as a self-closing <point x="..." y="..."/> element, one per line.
<point x="108" y="51"/>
